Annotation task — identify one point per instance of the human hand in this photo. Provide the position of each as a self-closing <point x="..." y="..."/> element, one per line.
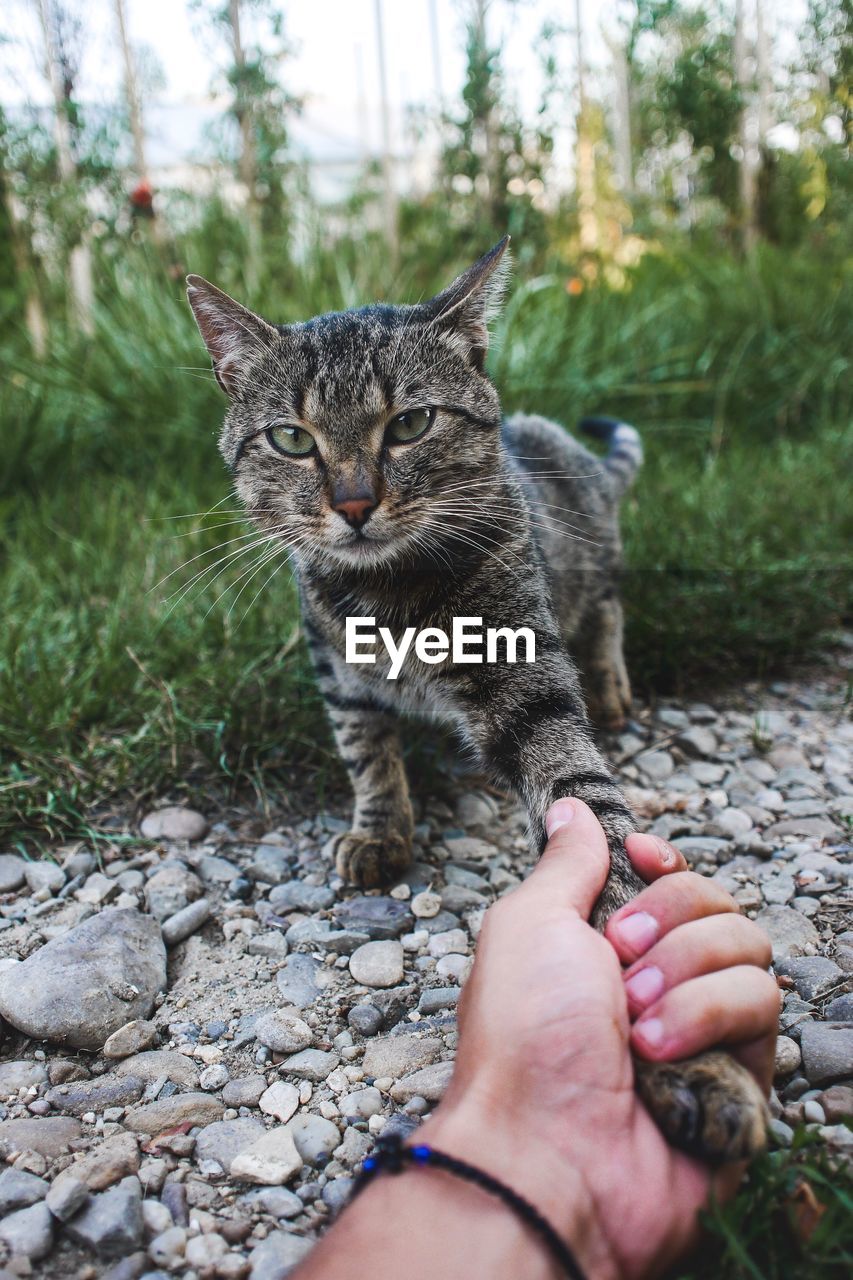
<point x="542" y="1095"/>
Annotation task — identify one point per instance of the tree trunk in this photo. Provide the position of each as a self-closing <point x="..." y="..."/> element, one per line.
<point x="389" y="192"/>
<point x="622" y="116"/>
<point x="134" y="112"/>
<point x="80" y="261"/>
<point x="34" y="316"/>
<point x="248" y="165"/>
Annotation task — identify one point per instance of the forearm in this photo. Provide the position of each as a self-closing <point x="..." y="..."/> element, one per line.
<point x="425" y="1222"/>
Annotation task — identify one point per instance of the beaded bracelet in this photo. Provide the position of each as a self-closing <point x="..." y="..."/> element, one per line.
<point x="391" y="1156"/>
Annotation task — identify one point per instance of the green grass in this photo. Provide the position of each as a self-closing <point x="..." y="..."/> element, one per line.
<point x="791" y="1220"/>
<point x="737" y="535"/>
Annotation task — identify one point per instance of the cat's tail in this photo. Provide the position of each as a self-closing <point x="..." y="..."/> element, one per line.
<point x="624" y="455"/>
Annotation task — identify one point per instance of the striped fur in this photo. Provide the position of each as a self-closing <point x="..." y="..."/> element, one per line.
<point x="509" y="520"/>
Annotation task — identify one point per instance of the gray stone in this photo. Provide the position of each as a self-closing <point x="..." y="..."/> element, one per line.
<point x="430" y="1083"/>
<point x="458" y="899"/>
<point x="782" y="1133"/>
<point x="381" y="918"/>
<point x="656" y="765"/>
<point x="778" y="890"/>
<point x="790" y="933"/>
<point x="216" y="870"/>
<point x="168" y="1247"/>
<point x="84" y="985"/>
<point x="168" y="1113"/>
<point x="271" y="1161"/>
<point x="225" y="1139"/>
<point x="29" y="1232"/>
<point x="377" y="964"/>
<point x="788" y="1056"/>
<point x="66" y="1195"/>
<point x="840" y="1009"/>
<point x="275" y="1257"/>
<point x="280" y="1100"/>
<point x="20" y="1075"/>
<point x="314" y="1138"/>
<point x="270" y="864"/>
<point x="704" y="848"/>
<point x="278" y="1202"/>
<point x="133" y="1037"/>
<point x="297" y="981"/>
<point x="81" y="1096"/>
<point x="366" y="1019"/>
<point x="245" y="1091"/>
<point x="310" y="1064"/>
<point x="44" y="875"/>
<point x="51" y="1136"/>
<point x="283" y="1032"/>
<point x="154" y="1063"/>
<point x="111" y="1223"/>
<point x="174" y="822"/>
<point x="170" y="889"/>
<point x="396" y="1056"/>
<point x="19" y="1189"/>
<point x="186" y="921"/>
<point x="271" y="944"/>
<point x="296" y="895"/>
<point x="812" y="976"/>
<point x="827" y="1051"/>
<point x="361" y="1105"/>
<point x="111" y="1160"/>
<point x="12" y="872"/>
<point x="436" y="999"/>
<point x="697" y="741"/>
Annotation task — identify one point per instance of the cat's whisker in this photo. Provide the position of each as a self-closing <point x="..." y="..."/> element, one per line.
<point x="240" y="537"/>
<point x="508" y="512"/>
<point x="231" y="556"/>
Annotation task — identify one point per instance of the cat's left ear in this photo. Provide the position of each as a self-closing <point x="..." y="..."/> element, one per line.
<point x="466" y="307"/>
<point x="234" y="336"/>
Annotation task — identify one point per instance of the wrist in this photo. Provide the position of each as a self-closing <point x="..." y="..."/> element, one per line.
<point x="535" y="1169"/>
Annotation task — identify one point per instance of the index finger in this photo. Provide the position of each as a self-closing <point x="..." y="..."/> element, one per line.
<point x="653" y="857"/>
<point x="669" y="902"/>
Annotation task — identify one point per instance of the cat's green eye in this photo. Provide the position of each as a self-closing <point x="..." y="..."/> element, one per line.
<point x="410" y="425"/>
<point x="295" y="441"/>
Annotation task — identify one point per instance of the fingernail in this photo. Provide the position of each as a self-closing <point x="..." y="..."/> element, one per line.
<point x="638" y="931"/>
<point x="645" y="986"/>
<point x="650" y="1032"/>
<point x="560" y="813"/>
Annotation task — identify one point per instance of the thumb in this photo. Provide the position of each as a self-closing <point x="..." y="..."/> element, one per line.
<point x="574" y="865"/>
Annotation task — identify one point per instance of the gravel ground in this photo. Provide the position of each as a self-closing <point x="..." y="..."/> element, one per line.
<point x="204" y="1031"/>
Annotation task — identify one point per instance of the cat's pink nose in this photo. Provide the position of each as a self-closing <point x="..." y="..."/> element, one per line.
<point x="356" y="510"/>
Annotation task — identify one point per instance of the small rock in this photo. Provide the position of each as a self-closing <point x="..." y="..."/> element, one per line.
<point x="336" y="1194"/>
<point x="44" y="875"/>
<point x="133" y="1037"/>
<point x="361" y="1105"/>
<point x="97" y="890"/>
<point x="430" y="1083"/>
<point x="840" y="1009"/>
<point x="174" y="823"/>
<point x="20" y="1075"/>
<point x="298" y="896"/>
<point x="203" y="1252"/>
<point x="788" y="1056"/>
<point x="437" y="999"/>
<point x="115" y="1158"/>
<point x="270" y="864"/>
<point x="297" y="981"/>
<point x="278" y="1202"/>
<point x="12" y="872"/>
<point x="656" y="765"/>
<point x="50" y="1137"/>
<point x="67" y="1194"/>
<point x="697" y="741"/>
<point x="813" y="976"/>
<point x="186" y="921"/>
<point x="280" y="1100"/>
<point x="366" y="1019"/>
<point x="396" y="1056"/>
<point x="170" y="889"/>
<point x="827" y="1051"/>
<point x="85" y="984"/>
<point x="314" y="1138"/>
<point x="425" y="905"/>
<point x="111" y="1223"/>
<point x="275" y="1257"/>
<point x="167" y="1113"/>
<point x="223" y="1141"/>
<point x="19" y="1189"/>
<point x="29" y="1232"/>
<point x="154" y="1063"/>
<point x="78" y="1098"/>
<point x="311" y="1064"/>
<point x="271" y="1161"/>
<point x="837" y="1102"/>
<point x="245" y="1091"/>
<point x="283" y="1032"/>
<point x="377" y="964"/>
<point x="214" y="1077"/>
<point x="380" y="918"/>
<point x="167" y="1248"/>
<point x="781" y="1132"/>
<point x="790" y="933"/>
<point x="813" y="1112"/>
<point x="455" y="941"/>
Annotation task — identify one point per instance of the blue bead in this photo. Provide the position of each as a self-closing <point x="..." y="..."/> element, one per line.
<point x="422" y="1153"/>
<point x="369" y="1164"/>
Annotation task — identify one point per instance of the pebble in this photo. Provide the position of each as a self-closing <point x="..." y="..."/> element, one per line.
<point x="155" y="1064"/>
<point x="111" y="1223"/>
<point x="283" y="1032"/>
<point x="396" y="1056"/>
<point x="86" y="984"/>
<point x="133" y="1037"/>
<point x="66" y="1196"/>
<point x="280" y="1100"/>
<point x="168" y="1113"/>
<point x="697" y="741"/>
<point x="170" y="889"/>
<point x="455" y="941"/>
<point x="381" y="918"/>
<point x="425" y="905"/>
<point x="788" y="1056"/>
<point x="185" y="922"/>
<point x="366" y="1019"/>
<point x="278" y="1202"/>
<point x="19" y="1189"/>
<point x="837" y="1102"/>
<point x="790" y="933"/>
<point x="276" y="1256"/>
<point x="361" y="1105"/>
<point x="81" y="1096"/>
<point x="377" y="964"/>
<point x="297" y="981"/>
<point x="813" y="976"/>
<point x="12" y="872"/>
<point x="214" y="1077"/>
<point x="44" y="876"/>
<point x="29" y="1232"/>
<point x="225" y="1139"/>
<point x="314" y="1137"/>
<point x="311" y="1064"/>
<point x="20" y="1075"/>
<point x="296" y="895"/>
<point x="827" y="1051"/>
<point x="51" y="1136"/>
<point x="429" y="1083"/>
<point x="174" y="823"/>
<point x="271" y="1161"/>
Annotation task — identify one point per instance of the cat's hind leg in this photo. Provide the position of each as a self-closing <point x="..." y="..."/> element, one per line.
<point x="599" y="649"/>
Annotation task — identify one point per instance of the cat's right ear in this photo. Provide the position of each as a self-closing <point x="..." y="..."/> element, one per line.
<point x="233" y="335"/>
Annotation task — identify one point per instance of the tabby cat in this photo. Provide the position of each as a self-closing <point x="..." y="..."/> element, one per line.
<point x="371" y="447"/>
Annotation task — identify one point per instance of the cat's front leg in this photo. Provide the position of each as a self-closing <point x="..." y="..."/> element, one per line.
<point x="378" y="848"/>
<point x="531" y="727"/>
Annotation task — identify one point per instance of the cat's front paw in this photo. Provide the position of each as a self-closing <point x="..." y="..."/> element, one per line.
<point x="370" y="861"/>
<point x="709" y="1106"/>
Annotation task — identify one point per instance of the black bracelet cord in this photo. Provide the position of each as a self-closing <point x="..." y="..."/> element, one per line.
<point x="391" y="1156"/>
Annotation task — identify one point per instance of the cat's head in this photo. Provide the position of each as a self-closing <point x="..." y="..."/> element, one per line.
<point x="360" y="436"/>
